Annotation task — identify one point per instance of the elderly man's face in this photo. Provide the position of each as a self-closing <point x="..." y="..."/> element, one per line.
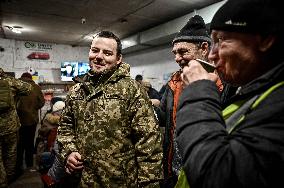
<point x="236" y="56"/>
<point x="103" y="54"/>
<point x="186" y="51"/>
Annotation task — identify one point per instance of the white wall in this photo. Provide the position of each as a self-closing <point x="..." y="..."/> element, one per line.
<point x="14" y="58"/>
<point x="154" y="64"/>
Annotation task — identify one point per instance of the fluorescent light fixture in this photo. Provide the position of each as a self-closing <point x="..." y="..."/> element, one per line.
<point x="129" y="41"/>
<point x="88" y="37"/>
<point x="15" y="29"/>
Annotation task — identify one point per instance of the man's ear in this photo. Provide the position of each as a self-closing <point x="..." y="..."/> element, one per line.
<point x="204" y="49"/>
<point x="119" y="59"/>
<point x="266" y="42"/>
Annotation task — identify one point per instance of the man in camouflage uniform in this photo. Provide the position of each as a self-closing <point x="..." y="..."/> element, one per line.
<point x="108" y="127"/>
<point x="9" y="126"/>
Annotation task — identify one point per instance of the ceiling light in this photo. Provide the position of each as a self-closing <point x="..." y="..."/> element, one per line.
<point x="15" y="29"/>
<point x="88" y="37"/>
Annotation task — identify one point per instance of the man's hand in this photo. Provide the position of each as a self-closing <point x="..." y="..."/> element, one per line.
<point x="194" y="71"/>
<point x="74" y="163"/>
<point x="155" y="102"/>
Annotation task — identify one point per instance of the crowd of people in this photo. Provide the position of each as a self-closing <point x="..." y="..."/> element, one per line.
<point x="220" y="129"/>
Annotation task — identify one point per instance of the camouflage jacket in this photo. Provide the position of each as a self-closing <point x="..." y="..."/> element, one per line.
<point x="9" y="121"/>
<point x="114" y="128"/>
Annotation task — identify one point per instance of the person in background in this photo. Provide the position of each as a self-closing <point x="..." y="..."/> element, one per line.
<point x="153" y="94"/>
<point x="69" y="70"/>
<point x="47" y="147"/>
<point x="108" y="132"/>
<point x="27" y="109"/>
<point x="191" y="42"/>
<point x="84" y="77"/>
<point x="240" y="145"/>
<point x="9" y="125"/>
<point x="52" y="102"/>
<point x="139" y="78"/>
<point x="162" y="89"/>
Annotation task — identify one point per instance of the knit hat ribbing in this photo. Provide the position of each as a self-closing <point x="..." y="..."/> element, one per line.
<point x="59" y="105"/>
<point x="193" y="31"/>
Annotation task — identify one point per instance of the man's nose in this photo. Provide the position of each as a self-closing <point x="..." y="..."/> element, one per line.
<point x="99" y="55"/>
<point x="178" y="57"/>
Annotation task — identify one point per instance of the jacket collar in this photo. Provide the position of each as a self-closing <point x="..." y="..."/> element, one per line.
<point x="92" y="88"/>
<point x="265" y="81"/>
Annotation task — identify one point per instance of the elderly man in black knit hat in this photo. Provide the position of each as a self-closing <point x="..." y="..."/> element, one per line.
<point x="191" y="42"/>
<point x="241" y="145"/>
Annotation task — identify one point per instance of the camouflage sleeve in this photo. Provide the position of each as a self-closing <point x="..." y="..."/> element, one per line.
<point x="148" y="142"/>
<point x="20" y="87"/>
<point x="66" y="130"/>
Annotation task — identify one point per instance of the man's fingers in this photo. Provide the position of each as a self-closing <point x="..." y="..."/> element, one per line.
<point x="68" y="170"/>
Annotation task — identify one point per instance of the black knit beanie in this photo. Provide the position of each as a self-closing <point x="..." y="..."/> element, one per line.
<point x="193" y="31"/>
<point x="249" y="16"/>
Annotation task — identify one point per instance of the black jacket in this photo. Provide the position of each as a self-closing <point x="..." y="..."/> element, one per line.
<point x="252" y="155"/>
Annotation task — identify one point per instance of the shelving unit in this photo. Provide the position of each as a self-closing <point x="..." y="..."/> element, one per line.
<point x="55" y="89"/>
<point x="50" y="90"/>
<point x="61" y="85"/>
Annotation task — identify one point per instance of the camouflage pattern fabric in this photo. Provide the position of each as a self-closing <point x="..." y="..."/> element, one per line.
<point x="9" y="121"/>
<point x="114" y="128"/>
<point x="8" y="157"/>
<point x="9" y="126"/>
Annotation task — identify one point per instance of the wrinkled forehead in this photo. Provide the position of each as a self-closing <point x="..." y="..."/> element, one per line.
<point x="184" y="45"/>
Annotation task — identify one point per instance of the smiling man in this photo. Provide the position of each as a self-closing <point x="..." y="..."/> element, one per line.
<point x="191" y="42"/>
<point x="108" y="132"/>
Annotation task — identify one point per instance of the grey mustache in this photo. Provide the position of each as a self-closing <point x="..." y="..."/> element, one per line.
<point x="183" y="63"/>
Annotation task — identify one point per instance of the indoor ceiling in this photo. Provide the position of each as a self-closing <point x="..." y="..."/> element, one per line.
<point x="73" y="22"/>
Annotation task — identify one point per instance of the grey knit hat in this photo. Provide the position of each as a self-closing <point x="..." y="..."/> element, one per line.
<point x="194" y="31"/>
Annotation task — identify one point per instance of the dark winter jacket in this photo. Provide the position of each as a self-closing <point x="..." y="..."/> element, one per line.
<point x="252" y="155"/>
<point x="166" y="119"/>
<point x="153" y="94"/>
<point x="28" y="106"/>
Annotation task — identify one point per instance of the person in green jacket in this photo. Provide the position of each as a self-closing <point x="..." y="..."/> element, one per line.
<point x="108" y="134"/>
<point x="9" y="127"/>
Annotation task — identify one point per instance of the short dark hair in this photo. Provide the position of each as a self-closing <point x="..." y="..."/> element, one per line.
<point x="138" y="77"/>
<point x="111" y="35"/>
<point x="26" y="75"/>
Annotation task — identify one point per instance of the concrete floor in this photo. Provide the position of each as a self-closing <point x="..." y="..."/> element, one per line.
<point x="29" y="179"/>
